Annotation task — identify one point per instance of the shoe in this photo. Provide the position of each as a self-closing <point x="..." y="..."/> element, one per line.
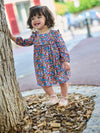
<point x="63" y="101"/>
<point x="53" y="100"/>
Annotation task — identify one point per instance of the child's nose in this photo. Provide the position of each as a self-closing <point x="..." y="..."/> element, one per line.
<point x="36" y="19"/>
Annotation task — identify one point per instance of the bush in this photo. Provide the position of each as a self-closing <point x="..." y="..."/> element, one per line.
<point x="60" y="8"/>
<point x="84" y="4"/>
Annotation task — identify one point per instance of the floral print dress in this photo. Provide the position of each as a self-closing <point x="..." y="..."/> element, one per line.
<point x="49" y="54"/>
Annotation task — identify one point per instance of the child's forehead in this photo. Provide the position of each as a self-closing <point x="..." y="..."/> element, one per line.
<point x="37" y="14"/>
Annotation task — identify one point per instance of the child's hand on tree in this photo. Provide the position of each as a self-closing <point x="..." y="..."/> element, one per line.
<point x="66" y="66"/>
<point x="10" y="33"/>
<point x="12" y="37"/>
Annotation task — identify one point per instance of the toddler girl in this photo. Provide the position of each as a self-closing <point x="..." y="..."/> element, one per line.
<point x="51" y="57"/>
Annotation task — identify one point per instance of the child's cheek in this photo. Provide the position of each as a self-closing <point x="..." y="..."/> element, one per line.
<point x="32" y="23"/>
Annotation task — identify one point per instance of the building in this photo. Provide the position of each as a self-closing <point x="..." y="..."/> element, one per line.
<point x="17" y="12"/>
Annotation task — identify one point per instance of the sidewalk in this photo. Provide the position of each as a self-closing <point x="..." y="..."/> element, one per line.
<point x="85" y="62"/>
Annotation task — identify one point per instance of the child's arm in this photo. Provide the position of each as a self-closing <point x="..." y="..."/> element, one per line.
<point x="64" y="54"/>
<point x="22" y="42"/>
<point x="12" y="37"/>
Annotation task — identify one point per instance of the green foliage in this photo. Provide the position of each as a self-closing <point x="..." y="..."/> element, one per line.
<point x="59" y="1"/>
<point x="60" y="8"/>
<point x="84" y="4"/>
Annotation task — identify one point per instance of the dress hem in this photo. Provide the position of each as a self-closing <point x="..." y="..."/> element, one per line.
<point x="59" y="82"/>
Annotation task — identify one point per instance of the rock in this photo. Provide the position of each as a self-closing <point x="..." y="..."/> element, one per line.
<point x="42" y="124"/>
<point x="55" y="124"/>
<point x="68" y="124"/>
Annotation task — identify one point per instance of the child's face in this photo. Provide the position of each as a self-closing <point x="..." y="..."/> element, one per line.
<point x="38" y="22"/>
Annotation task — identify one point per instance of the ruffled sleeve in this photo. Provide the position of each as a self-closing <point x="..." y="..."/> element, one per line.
<point x="26" y="42"/>
<point x="64" y="53"/>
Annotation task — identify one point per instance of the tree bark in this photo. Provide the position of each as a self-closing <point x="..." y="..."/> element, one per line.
<point x="11" y="101"/>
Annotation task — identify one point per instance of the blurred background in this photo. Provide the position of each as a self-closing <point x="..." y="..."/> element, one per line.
<point x="76" y="20"/>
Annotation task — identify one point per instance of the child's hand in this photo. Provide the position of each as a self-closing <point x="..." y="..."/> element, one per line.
<point x="12" y="37"/>
<point x="10" y="34"/>
<point x="66" y="66"/>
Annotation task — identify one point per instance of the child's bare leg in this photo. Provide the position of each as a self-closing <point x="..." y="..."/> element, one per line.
<point x="53" y="97"/>
<point x="64" y="91"/>
<point x="49" y="90"/>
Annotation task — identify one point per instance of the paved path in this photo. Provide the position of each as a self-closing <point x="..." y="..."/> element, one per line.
<point x="85" y="62"/>
<point x="93" y="125"/>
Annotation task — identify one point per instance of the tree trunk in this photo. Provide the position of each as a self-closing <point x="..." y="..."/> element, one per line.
<point x="11" y="101"/>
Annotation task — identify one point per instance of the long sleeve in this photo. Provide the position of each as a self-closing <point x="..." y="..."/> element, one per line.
<point x="64" y="54"/>
<point x="25" y="42"/>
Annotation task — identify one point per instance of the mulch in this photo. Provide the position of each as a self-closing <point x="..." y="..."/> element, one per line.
<point x="39" y="118"/>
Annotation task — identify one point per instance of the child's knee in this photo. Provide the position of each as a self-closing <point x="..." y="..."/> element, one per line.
<point x="63" y="84"/>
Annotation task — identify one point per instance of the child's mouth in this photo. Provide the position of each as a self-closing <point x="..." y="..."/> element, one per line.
<point x="36" y="24"/>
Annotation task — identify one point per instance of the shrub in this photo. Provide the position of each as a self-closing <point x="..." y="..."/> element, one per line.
<point x="84" y="4"/>
<point x="60" y="8"/>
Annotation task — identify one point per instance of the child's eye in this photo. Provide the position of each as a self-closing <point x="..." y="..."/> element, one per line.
<point x="32" y="18"/>
<point x="39" y="17"/>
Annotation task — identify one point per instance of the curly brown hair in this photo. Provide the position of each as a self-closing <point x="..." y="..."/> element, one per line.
<point x="41" y="10"/>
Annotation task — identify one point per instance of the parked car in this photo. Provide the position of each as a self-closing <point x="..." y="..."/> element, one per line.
<point x="91" y="15"/>
<point x="70" y="18"/>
